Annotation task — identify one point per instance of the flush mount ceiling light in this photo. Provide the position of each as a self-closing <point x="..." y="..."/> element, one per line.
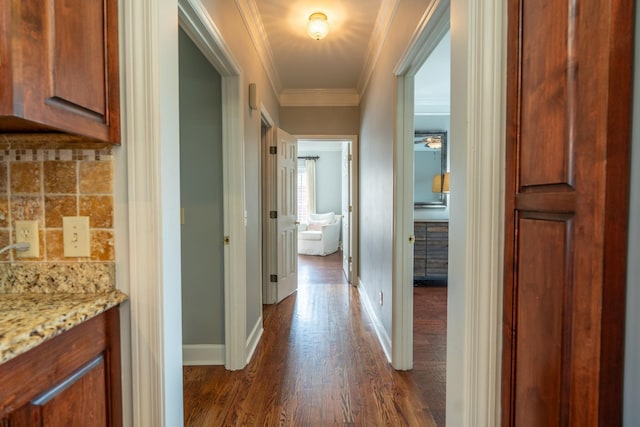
<point x="318" y="26"/>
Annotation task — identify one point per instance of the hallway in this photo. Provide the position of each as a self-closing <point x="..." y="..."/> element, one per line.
<point x="318" y="363"/>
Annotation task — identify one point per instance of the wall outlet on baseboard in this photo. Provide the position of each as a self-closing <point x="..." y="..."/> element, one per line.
<point x="380" y="297"/>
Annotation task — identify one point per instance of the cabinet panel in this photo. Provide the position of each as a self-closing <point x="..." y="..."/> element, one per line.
<point x="72" y="20"/>
<point x="420" y="250"/>
<point x="59" y="67"/>
<point x="431" y="251"/>
<point x="67" y="404"/>
<point x="71" y="380"/>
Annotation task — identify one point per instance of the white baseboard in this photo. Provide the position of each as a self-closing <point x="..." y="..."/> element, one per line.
<point x="202" y="354"/>
<point x="254" y="339"/>
<point x="381" y="333"/>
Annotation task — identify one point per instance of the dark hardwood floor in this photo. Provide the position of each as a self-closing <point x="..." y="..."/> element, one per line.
<point x="430" y="348"/>
<point x="320" y="364"/>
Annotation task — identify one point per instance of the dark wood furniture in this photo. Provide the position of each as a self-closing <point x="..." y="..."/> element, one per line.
<point x="59" y="67"/>
<point x="431" y="252"/>
<point x="70" y="380"/>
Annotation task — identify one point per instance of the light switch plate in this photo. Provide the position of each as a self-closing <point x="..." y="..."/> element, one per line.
<point x="27" y="231"/>
<point x="75" y="234"/>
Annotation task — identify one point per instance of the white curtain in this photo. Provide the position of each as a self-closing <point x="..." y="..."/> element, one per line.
<point x="310" y="166"/>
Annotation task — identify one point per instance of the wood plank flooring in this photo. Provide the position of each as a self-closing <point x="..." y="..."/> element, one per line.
<point x="318" y="364"/>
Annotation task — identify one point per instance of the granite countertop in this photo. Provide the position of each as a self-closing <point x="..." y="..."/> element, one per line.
<point x="39" y="301"/>
<point x="28" y="319"/>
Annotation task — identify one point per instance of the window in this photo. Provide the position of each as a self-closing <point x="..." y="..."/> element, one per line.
<point x="303" y="192"/>
<point x="306" y="187"/>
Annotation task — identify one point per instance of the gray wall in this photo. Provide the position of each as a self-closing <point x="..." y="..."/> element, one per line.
<point x="201" y="198"/>
<point x="328" y="180"/>
<point x="320" y="120"/>
<point x="632" y="354"/>
<point x="376" y="150"/>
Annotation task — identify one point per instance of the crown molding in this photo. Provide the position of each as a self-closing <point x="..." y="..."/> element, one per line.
<point x="251" y="17"/>
<point x="376" y="41"/>
<point x="319" y="98"/>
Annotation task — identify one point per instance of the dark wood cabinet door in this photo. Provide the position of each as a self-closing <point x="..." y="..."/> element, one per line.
<point x="60" y="67"/>
<point x="79" y="401"/>
<point x="568" y="137"/>
<point x="73" y="379"/>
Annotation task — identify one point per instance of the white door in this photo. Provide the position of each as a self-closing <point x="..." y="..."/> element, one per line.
<point x="287" y="211"/>
<point x="346" y="209"/>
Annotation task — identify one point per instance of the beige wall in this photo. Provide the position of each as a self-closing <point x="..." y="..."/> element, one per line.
<point x="320" y="120"/>
<point x="376" y="163"/>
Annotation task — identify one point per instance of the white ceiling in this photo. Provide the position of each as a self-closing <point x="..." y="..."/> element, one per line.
<point x="333" y="62"/>
<point x="334" y="70"/>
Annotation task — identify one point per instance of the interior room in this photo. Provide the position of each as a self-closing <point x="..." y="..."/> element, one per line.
<point x="319" y="197"/>
<point x="432" y="109"/>
<point x="149" y="230"/>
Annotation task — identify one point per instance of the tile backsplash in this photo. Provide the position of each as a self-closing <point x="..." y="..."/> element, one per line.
<point x="45" y="180"/>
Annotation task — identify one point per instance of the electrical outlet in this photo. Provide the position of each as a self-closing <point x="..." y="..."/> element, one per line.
<point x="75" y="234"/>
<point x="380" y="296"/>
<point x="27" y="231"/>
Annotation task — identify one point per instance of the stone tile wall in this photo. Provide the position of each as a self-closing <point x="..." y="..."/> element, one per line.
<point x="44" y="181"/>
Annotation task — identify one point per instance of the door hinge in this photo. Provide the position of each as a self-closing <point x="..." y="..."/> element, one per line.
<point x="350" y="208"/>
<point x="273" y="214"/>
<point x="350" y="259"/>
<point x="350" y="157"/>
<point x="273" y="278"/>
<point x="412" y="239"/>
<point x="273" y="150"/>
<point x="226" y="240"/>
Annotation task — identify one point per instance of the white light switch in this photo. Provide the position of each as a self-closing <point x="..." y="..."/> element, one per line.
<point x="27" y="231"/>
<point x="75" y="233"/>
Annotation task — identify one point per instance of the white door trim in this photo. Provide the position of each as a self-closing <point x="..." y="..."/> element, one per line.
<point x="355" y="153"/>
<point x="269" y="241"/>
<point x="476" y="209"/>
<point x="432" y="27"/>
<point x="150" y="91"/>
<point x="196" y="22"/>
<point x="151" y="141"/>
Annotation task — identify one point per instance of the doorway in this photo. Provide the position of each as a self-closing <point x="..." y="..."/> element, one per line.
<point x="329" y="161"/>
<point x="324" y="195"/>
<point x="431" y="145"/>
<point x="201" y="196"/>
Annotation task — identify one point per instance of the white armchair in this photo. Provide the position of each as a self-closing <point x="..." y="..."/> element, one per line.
<point x="320" y="236"/>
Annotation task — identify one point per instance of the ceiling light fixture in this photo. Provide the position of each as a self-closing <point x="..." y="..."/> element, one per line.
<point x="318" y="26"/>
<point x="433" y="141"/>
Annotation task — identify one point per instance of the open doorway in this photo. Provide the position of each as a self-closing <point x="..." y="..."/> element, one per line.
<point x="326" y="189"/>
<point x="432" y="109"/>
<point x="201" y="196"/>
<point x="323" y="183"/>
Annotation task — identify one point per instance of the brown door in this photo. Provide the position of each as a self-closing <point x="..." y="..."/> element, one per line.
<point x="569" y="96"/>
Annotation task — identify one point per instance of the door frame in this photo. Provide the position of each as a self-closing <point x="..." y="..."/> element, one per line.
<point x="196" y="22"/>
<point x="355" y="155"/>
<point x="148" y="202"/>
<point x="476" y="242"/>
<point x="269" y="247"/>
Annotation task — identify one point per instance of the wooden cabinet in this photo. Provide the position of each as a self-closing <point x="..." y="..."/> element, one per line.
<point x="59" y="67"/>
<point x="431" y="252"/>
<point x="71" y="380"/>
